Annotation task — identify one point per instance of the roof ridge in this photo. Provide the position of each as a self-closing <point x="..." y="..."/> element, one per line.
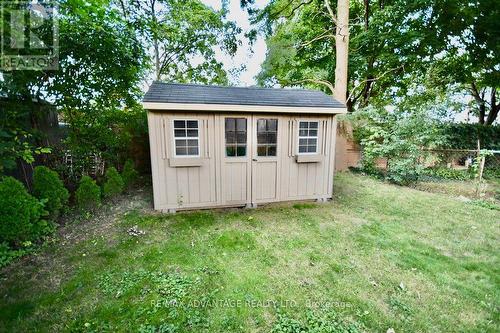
<point x="235" y="87"/>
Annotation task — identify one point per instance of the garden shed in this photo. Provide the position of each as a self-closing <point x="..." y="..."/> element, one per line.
<point x="214" y="146"/>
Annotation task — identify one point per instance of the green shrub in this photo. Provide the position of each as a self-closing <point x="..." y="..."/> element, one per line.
<point x="114" y="183"/>
<point x="7" y="254"/>
<point x="88" y="194"/>
<point x="129" y="174"/>
<point x="447" y="173"/>
<point x="20" y="213"/>
<point x="48" y="185"/>
<point x="398" y="136"/>
<point x="492" y="173"/>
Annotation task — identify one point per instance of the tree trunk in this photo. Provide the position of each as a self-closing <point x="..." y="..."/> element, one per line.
<point x="494" y="107"/>
<point x="482" y="113"/>
<point x="341" y="50"/>
<point x="155" y="40"/>
<point x="367" y="13"/>
<point x="157" y="59"/>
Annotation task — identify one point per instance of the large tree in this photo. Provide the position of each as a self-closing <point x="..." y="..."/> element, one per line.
<point x="392" y="42"/>
<point x="182" y="37"/>
<point x="101" y="65"/>
<point x="383" y="45"/>
<point x="470" y="60"/>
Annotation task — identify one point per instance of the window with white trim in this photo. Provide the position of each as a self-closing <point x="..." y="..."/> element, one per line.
<point x="186" y="136"/>
<point x="308" y="137"/>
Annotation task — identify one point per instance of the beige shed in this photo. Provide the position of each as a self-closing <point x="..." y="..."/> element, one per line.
<point x="215" y="146"/>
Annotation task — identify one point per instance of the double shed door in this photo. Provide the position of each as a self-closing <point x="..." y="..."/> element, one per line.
<point x="250" y="163"/>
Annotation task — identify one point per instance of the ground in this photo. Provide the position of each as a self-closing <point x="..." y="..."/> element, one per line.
<point x="378" y="257"/>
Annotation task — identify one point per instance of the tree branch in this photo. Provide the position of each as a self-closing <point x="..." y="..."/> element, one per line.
<point x="317" y="81"/>
<point x="330" y="11"/>
<point x="326" y="34"/>
<point x="294" y="9"/>
<point x="374" y="79"/>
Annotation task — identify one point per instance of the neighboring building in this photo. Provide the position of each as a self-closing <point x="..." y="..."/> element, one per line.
<point x="40" y="119"/>
<point x="226" y="146"/>
<point x="347" y="151"/>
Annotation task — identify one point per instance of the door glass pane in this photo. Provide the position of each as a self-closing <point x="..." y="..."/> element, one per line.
<point x="261" y="150"/>
<point x="272" y="125"/>
<point x="241" y="151"/>
<point x="271" y="151"/>
<point x="261" y="125"/>
<point x="261" y="138"/>
<point x="241" y="137"/>
<point x="236" y="136"/>
<point x="230" y="124"/>
<point x="267" y="130"/>
<point x="230" y="150"/>
<point x="241" y="124"/>
<point x="230" y="137"/>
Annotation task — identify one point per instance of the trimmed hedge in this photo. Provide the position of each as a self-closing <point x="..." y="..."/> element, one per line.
<point x="88" y="194"/>
<point x="48" y="185"/>
<point x="129" y="174"/>
<point x="20" y="213"/>
<point x="114" y="183"/>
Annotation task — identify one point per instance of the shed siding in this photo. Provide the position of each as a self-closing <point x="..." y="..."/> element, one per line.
<point x="216" y="180"/>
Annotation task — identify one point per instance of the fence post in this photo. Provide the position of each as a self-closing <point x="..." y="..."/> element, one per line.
<point x="481" y="168"/>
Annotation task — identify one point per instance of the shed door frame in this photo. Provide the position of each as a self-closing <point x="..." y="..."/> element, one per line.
<point x="256" y="188"/>
<point x="235" y="190"/>
<point x="265" y="169"/>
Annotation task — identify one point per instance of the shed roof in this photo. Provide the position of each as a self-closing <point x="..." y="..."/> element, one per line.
<point x="175" y="93"/>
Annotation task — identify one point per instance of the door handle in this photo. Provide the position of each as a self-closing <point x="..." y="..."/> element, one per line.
<point x="254" y="159"/>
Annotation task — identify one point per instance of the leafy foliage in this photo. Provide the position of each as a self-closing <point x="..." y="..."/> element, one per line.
<point x="20" y="214"/>
<point x="398" y="136"/>
<point x="315" y="322"/>
<point x="465" y="136"/>
<point x="129" y="174"/>
<point x="88" y="194"/>
<point x="302" y="49"/>
<point x="96" y="89"/>
<point x="114" y="183"/>
<point x="8" y="254"/>
<point x="47" y="185"/>
<point x="179" y="32"/>
<point x="391" y="43"/>
<point x="17" y="142"/>
<point x="447" y="173"/>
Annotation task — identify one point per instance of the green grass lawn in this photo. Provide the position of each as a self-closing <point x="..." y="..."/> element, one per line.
<point x="377" y="257"/>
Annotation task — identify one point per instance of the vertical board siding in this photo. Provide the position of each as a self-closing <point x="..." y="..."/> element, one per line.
<point x="222" y="181"/>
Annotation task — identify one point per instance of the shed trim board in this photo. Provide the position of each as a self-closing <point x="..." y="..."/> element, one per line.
<point x="158" y="106"/>
<point x="270" y="168"/>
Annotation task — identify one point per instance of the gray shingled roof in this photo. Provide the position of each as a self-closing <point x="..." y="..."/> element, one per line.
<point x="160" y="92"/>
